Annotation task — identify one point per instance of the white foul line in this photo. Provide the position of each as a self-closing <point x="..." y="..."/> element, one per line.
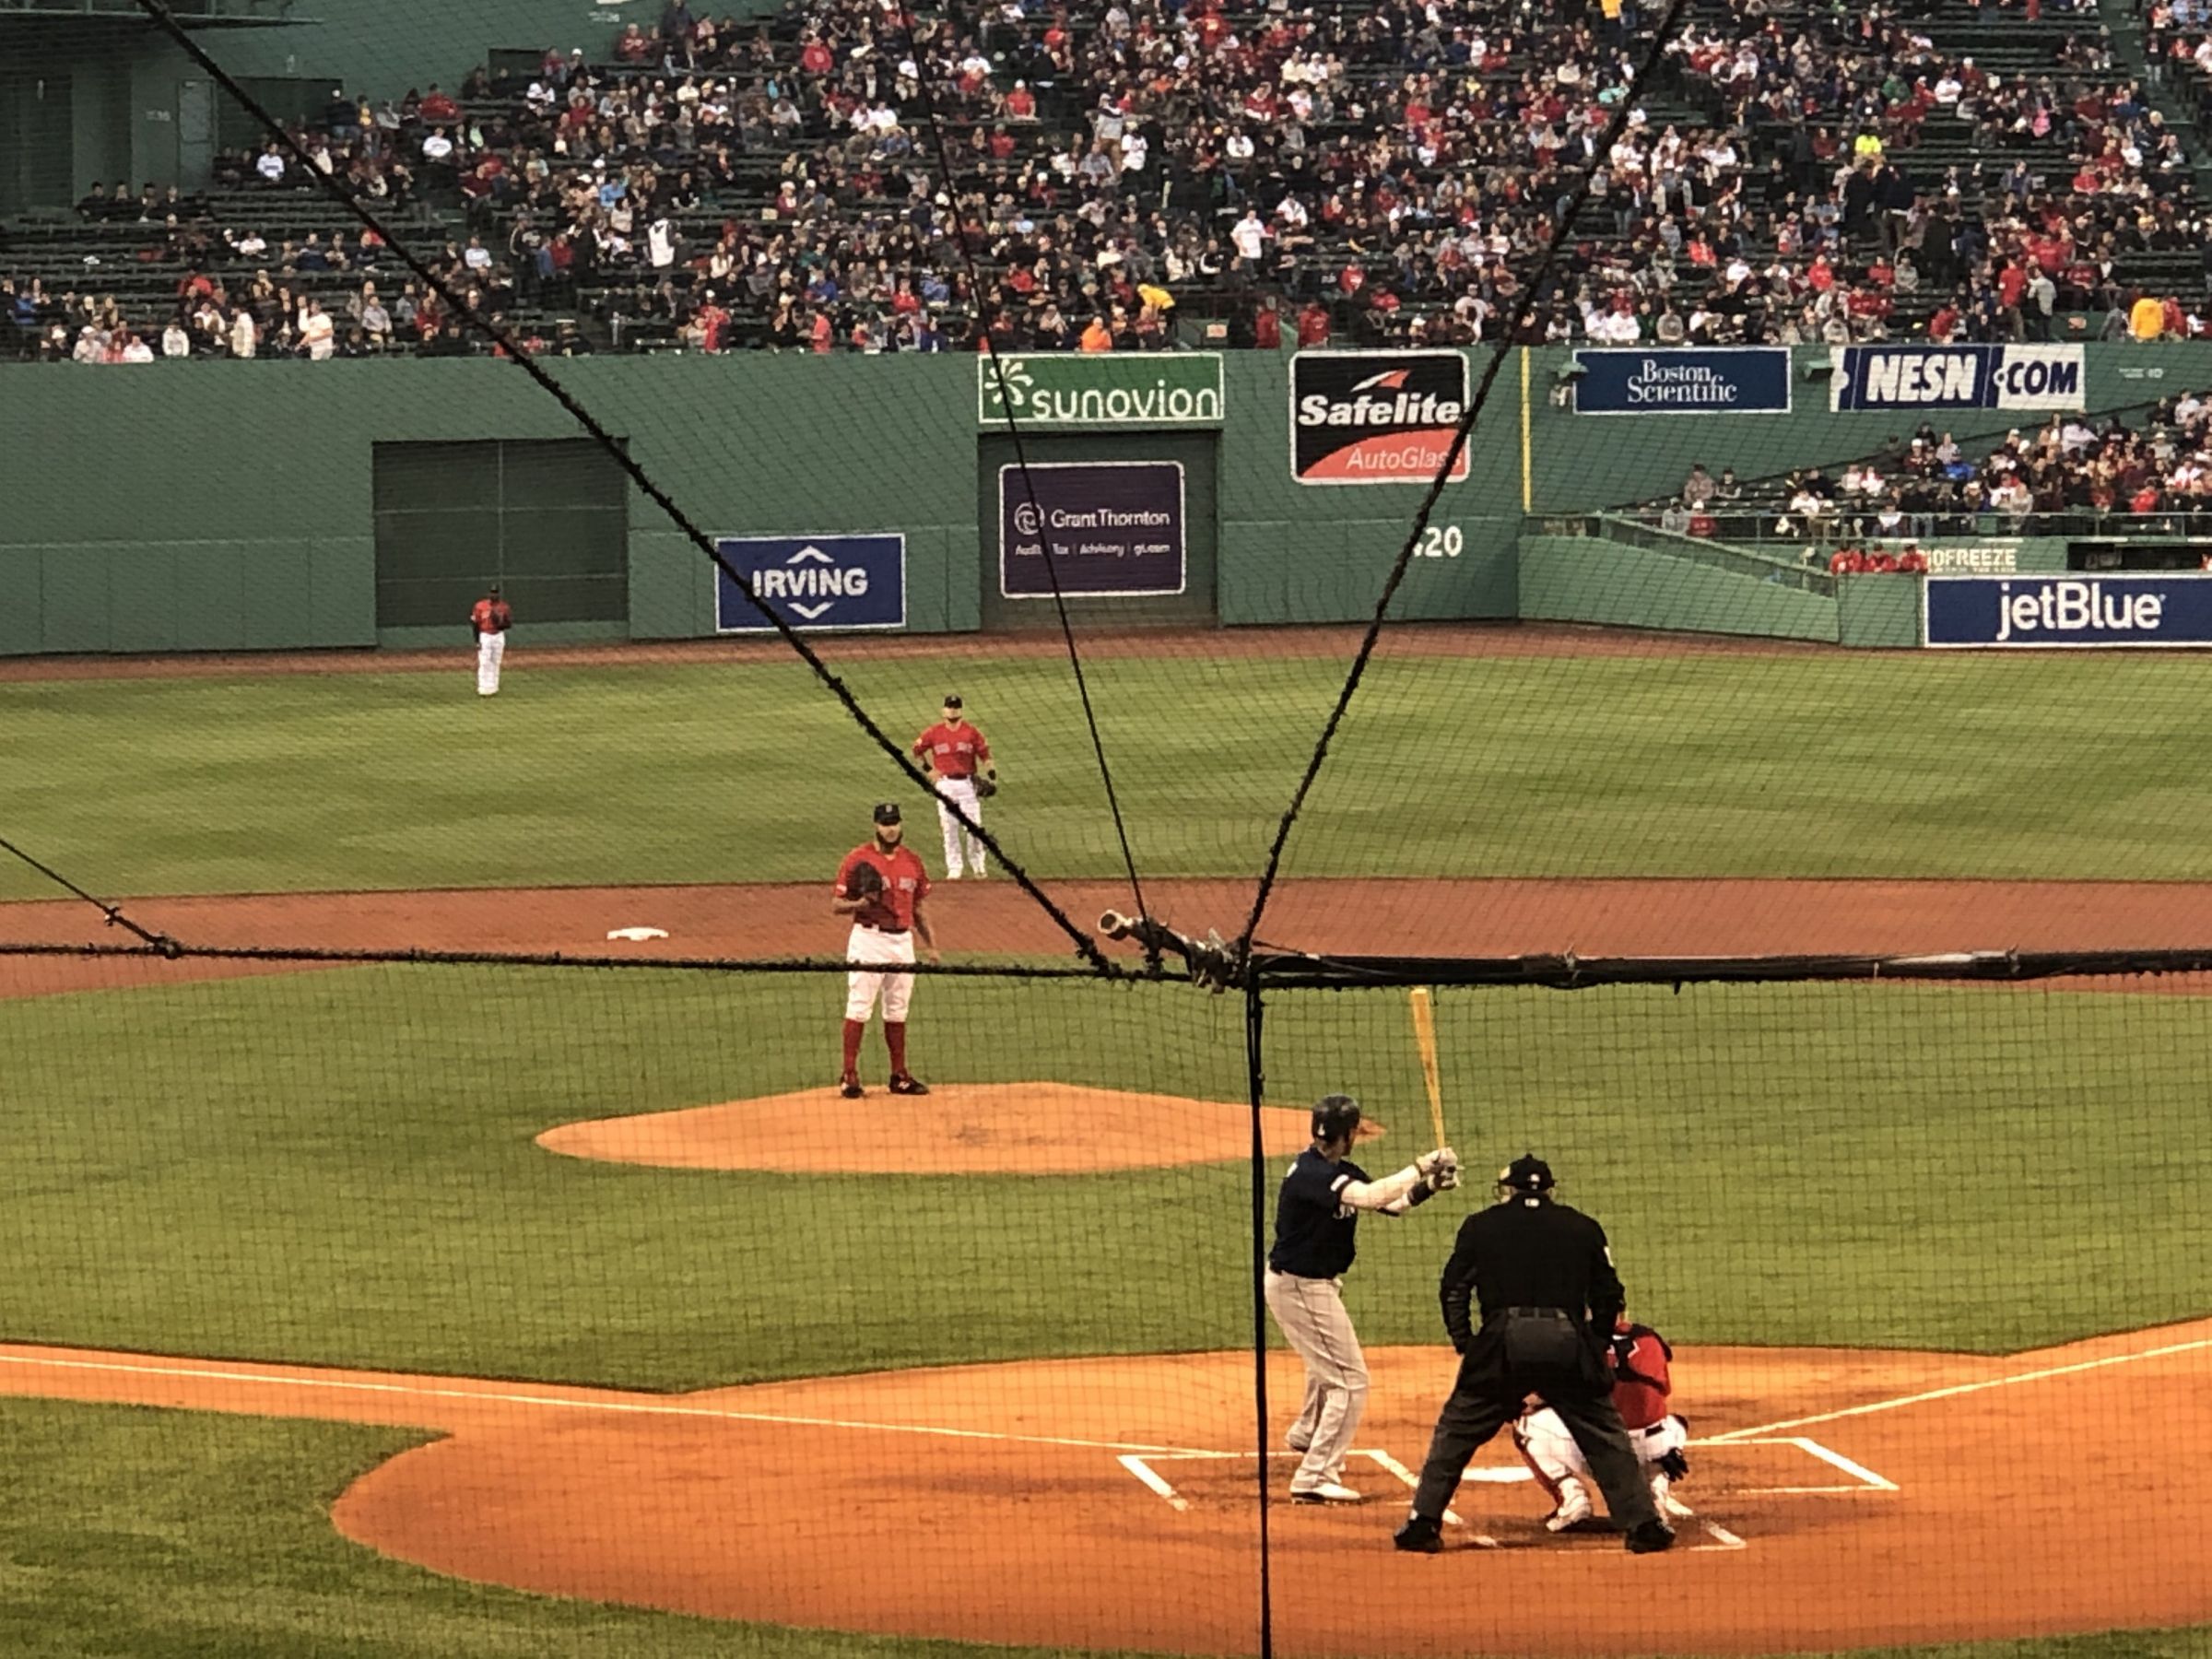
<point x="1407" y="1476"/>
<point x="1722" y="1538"/>
<point x="549" y="1402"/>
<point x="1961" y="1388"/>
<point x="1857" y="1471"/>
<point x="1145" y="1473"/>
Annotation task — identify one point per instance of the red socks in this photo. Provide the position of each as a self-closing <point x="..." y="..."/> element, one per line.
<point x="854" y="1028"/>
<point x="894" y="1036"/>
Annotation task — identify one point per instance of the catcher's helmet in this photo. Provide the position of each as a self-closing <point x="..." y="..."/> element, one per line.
<point x="1335" y="1117"/>
<point x="1527" y="1174"/>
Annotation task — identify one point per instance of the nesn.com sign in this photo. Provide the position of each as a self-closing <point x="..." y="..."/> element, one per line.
<point x="811" y="581"/>
<point x="1956" y="377"/>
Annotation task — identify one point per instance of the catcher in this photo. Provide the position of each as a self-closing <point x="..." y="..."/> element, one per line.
<point x="881" y="884"/>
<point x="1642" y="1379"/>
<point x="958" y="760"/>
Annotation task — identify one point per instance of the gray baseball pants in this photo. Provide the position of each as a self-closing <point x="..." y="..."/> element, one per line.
<point x="1312" y="1313"/>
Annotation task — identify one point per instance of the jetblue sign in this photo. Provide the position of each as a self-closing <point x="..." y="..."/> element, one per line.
<point x="2066" y="612"/>
<point x="812" y="581"/>
<point x="1956" y="377"/>
<point x="1684" y="380"/>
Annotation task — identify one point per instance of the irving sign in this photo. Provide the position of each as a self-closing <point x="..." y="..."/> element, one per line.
<point x="1375" y="417"/>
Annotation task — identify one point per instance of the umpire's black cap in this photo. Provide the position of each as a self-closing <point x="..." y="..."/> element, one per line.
<point x="1335" y="1117"/>
<point x="887" y="812"/>
<point x="1526" y="1174"/>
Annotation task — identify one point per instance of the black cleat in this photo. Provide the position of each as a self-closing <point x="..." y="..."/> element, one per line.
<point x="902" y="1084"/>
<point x="1422" y="1537"/>
<point x="850" y="1088"/>
<point x="1650" y="1537"/>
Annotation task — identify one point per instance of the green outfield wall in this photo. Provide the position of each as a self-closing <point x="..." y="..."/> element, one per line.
<point x="226" y="506"/>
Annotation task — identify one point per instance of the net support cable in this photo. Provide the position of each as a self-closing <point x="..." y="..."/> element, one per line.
<point x="926" y="94"/>
<point x="1563" y="218"/>
<point x="164" y="19"/>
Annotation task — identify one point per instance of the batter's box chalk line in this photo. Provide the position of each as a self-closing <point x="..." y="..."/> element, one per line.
<point x="1862" y="1480"/>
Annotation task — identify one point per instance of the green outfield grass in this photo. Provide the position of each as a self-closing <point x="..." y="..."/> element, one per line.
<point x="338" y="1168"/>
<point x="162" y="1534"/>
<point x="1923" y="764"/>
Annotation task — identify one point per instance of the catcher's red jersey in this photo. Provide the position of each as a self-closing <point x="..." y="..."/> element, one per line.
<point x="954" y="751"/>
<point x="904" y="882"/>
<point x="1641" y="1380"/>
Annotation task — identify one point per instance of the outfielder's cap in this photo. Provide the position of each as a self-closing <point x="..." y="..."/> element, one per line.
<point x="952" y="700"/>
<point x="887" y="812"/>
<point x="1526" y="1174"/>
<point x="1335" y="1117"/>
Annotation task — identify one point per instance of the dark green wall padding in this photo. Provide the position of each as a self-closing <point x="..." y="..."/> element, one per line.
<point x="228" y="506"/>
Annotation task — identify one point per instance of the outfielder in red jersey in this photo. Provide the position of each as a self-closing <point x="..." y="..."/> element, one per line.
<point x="956" y="754"/>
<point x="881" y="884"/>
<point x="491" y="619"/>
<point x="1642" y="1381"/>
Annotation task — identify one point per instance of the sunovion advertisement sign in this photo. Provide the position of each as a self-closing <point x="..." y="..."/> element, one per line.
<point x="812" y="581"/>
<point x="1064" y="389"/>
<point x="1684" y="380"/>
<point x="2078" y="613"/>
<point x="1956" y="377"/>
<point x="1376" y="416"/>
<point x="1108" y="529"/>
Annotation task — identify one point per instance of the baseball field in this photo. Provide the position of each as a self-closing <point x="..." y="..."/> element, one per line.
<point x="388" y="1308"/>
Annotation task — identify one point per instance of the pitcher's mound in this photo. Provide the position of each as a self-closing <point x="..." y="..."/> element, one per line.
<point x="991" y="1128"/>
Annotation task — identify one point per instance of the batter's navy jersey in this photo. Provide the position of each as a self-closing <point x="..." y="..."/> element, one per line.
<point x="1314" y="1227"/>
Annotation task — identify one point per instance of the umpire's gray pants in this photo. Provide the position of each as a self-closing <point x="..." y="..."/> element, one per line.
<point x="1476" y="1410"/>
<point x="1312" y="1313"/>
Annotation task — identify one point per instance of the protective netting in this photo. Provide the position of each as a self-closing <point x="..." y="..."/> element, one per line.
<point x="434" y="1074"/>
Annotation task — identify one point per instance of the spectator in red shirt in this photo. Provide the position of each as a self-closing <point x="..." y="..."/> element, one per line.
<point x="1268" y="326"/>
<point x="1312" y="324"/>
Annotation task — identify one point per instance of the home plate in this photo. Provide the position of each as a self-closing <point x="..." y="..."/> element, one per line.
<point x="636" y="935"/>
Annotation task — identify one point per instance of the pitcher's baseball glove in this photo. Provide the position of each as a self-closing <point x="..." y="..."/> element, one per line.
<point x="866" y="884"/>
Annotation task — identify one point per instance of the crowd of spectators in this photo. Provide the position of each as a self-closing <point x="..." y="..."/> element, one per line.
<point x="850" y="175"/>
<point x="2075" y="466"/>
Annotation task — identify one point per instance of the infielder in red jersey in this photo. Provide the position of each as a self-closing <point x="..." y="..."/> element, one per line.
<point x="956" y="754"/>
<point x="1642" y="1381"/>
<point x="881" y="884"/>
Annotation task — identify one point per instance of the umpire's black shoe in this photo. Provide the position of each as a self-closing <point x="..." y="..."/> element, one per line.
<point x="902" y="1084"/>
<point x="1650" y="1537"/>
<point x="1422" y="1537"/>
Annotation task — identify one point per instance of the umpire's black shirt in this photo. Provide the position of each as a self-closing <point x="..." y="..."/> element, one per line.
<point x="1520" y="1253"/>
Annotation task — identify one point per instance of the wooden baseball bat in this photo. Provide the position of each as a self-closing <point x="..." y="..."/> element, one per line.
<point x="1423" y="1039"/>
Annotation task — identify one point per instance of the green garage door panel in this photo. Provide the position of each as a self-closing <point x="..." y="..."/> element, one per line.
<point x="566" y="599"/>
<point x="211" y="599"/>
<point x="435" y="477"/>
<point x="72" y="589"/>
<point x="560" y="541"/>
<point x="279" y="596"/>
<point x="455" y="544"/>
<point x="142" y="598"/>
<point x="556" y="473"/>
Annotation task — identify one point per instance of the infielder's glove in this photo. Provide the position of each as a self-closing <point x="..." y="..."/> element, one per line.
<point x="985" y="787"/>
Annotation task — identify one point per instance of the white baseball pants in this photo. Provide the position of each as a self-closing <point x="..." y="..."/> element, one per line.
<point x="491" y="648"/>
<point x="1312" y="1314"/>
<point x="961" y="849"/>
<point x="1544" y="1439"/>
<point x="862" y="986"/>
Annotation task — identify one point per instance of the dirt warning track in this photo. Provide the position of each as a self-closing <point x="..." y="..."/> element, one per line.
<point x="1845" y="1498"/>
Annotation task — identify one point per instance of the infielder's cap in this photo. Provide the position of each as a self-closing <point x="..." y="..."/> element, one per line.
<point x="887" y="812"/>
<point x="952" y="700"/>
<point x="495" y="590"/>
<point x="1526" y="1174"/>
<point x="1335" y="1117"/>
